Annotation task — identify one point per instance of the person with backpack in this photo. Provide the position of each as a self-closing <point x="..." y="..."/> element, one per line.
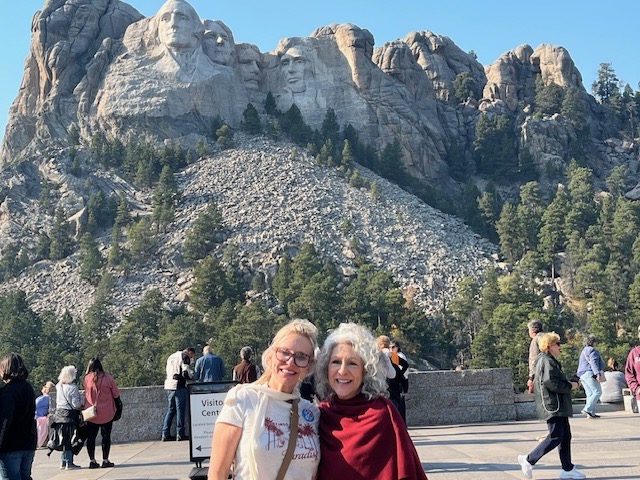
<point x="246" y="371"/>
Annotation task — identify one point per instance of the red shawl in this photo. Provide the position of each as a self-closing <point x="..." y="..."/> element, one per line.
<point x="364" y="439"/>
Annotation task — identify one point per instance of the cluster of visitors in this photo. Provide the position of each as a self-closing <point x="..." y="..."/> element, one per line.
<point x="25" y="421"/>
<point x="552" y="391"/>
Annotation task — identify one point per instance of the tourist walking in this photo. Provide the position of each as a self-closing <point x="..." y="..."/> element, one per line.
<point x="553" y="404"/>
<point x="591" y="373"/>
<point x="100" y="390"/>
<point x="17" y="425"/>
<point x="535" y="331"/>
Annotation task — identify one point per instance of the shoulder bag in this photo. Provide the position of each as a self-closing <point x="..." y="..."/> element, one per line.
<point x="293" y="436"/>
<point x="91" y="412"/>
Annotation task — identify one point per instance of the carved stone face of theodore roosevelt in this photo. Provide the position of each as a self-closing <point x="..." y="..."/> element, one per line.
<point x="249" y="65"/>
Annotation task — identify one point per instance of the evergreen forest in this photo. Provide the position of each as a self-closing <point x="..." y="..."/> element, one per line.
<point x="569" y="241"/>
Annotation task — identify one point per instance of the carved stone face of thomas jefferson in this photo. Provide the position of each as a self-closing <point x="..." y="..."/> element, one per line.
<point x="217" y="43"/>
<point x="293" y="65"/>
<point x="178" y="24"/>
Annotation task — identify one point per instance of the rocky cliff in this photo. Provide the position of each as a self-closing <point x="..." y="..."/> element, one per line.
<point x="272" y="199"/>
<point x="100" y="68"/>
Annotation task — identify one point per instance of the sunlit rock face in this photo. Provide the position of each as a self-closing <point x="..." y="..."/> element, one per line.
<point x="101" y="67"/>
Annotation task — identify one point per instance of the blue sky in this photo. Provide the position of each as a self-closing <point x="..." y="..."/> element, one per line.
<point x="593" y="32"/>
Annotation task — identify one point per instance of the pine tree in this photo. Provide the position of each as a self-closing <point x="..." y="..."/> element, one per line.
<point x="270" y="106"/>
<point x="202" y="237"/>
<point x="251" y="120"/>
<point x="225" y="137"/>
<point x="211" y="287"/>
<point x="529" y="213"/>
<point x="164" y="199"/>
<point x="330" y="130"/>
<point x="201" y="148"/>
<point x="90" y="259"/>
<point x="551" y="238"/>
<point x="390" y="163"/>
<point x="510" y="233"/>
<point x="548" y="96"/>
<point x="61" y="242"/>
<point x="346" y="157"/>
<point x="141" y="242"/>
<point x="464" y="87"/>
<point x="606" y="86"/>
<point x="581" y="212"/>
<point x="458" y="165"/>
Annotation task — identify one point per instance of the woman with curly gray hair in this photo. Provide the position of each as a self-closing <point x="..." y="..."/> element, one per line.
<point x="362" y="434"/>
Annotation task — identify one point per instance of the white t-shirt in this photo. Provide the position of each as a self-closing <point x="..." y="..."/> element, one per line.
<point x="241" y="408"/>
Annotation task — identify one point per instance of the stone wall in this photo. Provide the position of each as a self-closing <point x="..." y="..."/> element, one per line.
<point x="469" y="396"/>
<point x="435" y="398"/>
<point x="142" y="414"/>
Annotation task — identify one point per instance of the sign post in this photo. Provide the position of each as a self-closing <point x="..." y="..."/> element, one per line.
<point x="205" y="401"/>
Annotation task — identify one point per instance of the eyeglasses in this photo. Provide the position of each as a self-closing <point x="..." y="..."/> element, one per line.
<point x="301" y="359"/>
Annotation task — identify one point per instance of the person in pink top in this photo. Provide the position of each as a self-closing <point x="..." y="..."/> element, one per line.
<point x="100" y="390"/>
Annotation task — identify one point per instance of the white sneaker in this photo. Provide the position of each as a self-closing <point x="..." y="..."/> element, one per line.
<point x="575" y="473"/>
<point x="527" y="468"/>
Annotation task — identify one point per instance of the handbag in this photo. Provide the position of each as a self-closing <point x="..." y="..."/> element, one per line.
<point x="118" y="404"/>
<point x="89" y="413"/>
<point x="293" y="436"/>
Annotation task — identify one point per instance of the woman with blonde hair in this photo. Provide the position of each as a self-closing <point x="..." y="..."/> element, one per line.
<point x="42" y="413"/>
<point x="553" y="402"/>
<point x="265" y="429"/>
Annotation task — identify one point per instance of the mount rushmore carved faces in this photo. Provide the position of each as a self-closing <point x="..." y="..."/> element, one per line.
<point x="293" y="65"/>
<point x="249" y="65"/>
<point x="178" y="26"/>
<point x="218" y="42"/>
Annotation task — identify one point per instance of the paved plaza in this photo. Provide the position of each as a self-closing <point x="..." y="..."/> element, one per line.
<point x="605" y="449"/>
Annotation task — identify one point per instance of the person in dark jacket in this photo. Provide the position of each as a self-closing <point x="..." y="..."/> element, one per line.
<point x="17" y="424"/>
<point x="553" y="403"/>
<point x="245" y="371"/>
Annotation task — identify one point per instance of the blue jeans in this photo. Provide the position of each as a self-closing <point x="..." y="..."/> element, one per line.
<point x="177" y="404"/>
<point x="16" y="465"/>
<point x="593" y="390"/>
<point x="67" y="456"/>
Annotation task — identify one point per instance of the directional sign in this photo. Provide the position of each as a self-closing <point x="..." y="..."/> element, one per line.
<point x="205" y="403"/>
